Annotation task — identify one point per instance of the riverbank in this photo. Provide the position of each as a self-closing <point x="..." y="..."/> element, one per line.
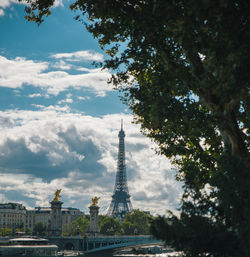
<point x="169" y="254"/>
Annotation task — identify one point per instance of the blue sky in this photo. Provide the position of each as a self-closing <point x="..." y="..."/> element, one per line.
<point x="59" y="120"/>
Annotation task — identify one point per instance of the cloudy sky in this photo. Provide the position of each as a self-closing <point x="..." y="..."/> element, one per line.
<point x="59" y="120"/>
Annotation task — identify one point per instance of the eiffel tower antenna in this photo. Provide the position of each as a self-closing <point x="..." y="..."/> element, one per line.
<point x="120" y="203"/>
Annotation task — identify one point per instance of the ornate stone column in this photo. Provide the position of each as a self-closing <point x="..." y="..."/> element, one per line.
<point x="56" y="216"/>
<point x="93" y="229"/>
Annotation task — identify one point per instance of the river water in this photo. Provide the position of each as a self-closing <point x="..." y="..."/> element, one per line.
<point x="166" y="253"/>
<point x="173" y="254"/>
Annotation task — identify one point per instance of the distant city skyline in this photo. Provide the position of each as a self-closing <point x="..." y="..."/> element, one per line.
<point x="59" y="120"/>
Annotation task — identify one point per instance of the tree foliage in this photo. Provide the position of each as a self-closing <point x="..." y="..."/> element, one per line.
<point x="136" y="222"/>
<point x="39" y="229"/>
<point x="109" y="225"/>
<point x="183" y="67"/>
<point x="6" y="231"/>
<point x="80" y="225"/>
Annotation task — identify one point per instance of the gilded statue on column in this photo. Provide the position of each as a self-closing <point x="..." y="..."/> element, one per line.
<point x="95" y="201"/>
<point x="57" y="195"/>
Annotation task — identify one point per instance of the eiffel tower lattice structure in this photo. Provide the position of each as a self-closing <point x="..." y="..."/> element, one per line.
<point x="120" y="203"/>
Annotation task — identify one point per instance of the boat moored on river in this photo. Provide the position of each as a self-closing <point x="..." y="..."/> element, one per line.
<point x="27" y="247"/>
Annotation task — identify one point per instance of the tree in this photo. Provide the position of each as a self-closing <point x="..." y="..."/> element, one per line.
<point x="136" y="222"/>
<point x="6" y="231"/>
<point x="109" y="225"/>
<point x="39" y="229"/>
<point x="128" y="228"/>
<point x="80" y="225"/>
<point x="183" y="68"/>
<point x="28" y="231"/>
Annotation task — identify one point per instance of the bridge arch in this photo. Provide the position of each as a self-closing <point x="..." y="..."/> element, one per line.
<point x="95" y="244"/>
<point x="69" y="246"/>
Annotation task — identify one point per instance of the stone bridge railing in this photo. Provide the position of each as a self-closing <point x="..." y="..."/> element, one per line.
<point x="107" y="243"/>
<point x="94" y="244"/>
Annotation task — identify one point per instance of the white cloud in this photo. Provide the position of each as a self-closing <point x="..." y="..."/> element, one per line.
<point x="53" y="148"/>
<point x="3" y="199"/>
<point x="19" y="71"/>
<point x="58" y="3"/>
<point x="34" y="95"/>
<point x="67" y="100"/>
<point x="62" y="65"/>
<point x="87" y="70"/>
<point x="14" y="73"/>
<point x="83" y="98"/>
<point x="38" y="105"/>
<point x="6" y="3"/>
<point x="79" y="56"/>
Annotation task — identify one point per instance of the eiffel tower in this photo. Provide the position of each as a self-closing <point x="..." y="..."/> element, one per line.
<point x="120" y="203"/>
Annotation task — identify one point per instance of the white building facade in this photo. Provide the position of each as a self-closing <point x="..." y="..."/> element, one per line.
<point x="43" y="215"/>
<point x="12" y="215"/>
<point x="15" y="215"/>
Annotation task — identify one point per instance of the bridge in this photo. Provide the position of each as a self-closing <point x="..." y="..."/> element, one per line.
<point x="101" y="243"/>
